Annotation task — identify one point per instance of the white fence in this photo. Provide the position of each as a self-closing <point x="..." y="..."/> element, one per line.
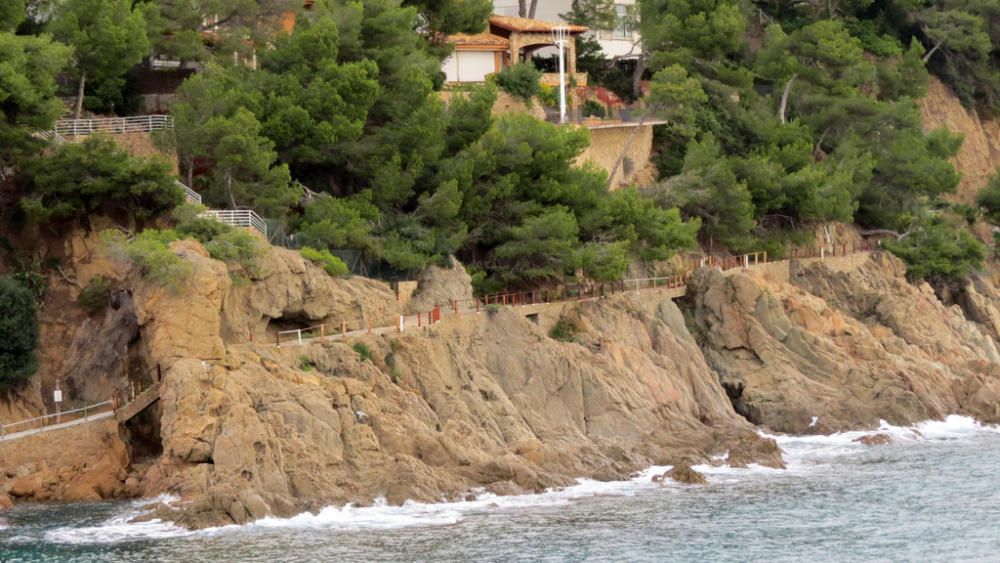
<point x="243" y="218"/>
<point x="191" y="195"/>
<point x="50" y="136"/>
<point x="113" y="125"/>
<point x="41" y="422"/>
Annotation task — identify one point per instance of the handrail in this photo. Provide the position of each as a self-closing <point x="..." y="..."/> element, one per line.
<point x="244" y="218"/>
<point x="191" y="195"/>
<point x="133" y="124"/>
<point x="567" y="293"/>
<point x="5" y="429"/>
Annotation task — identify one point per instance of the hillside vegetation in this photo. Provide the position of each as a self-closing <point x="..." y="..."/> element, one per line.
<point x="781" y="115"/>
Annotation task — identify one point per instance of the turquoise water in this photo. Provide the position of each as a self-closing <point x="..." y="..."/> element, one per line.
<point x="932" y="495"/>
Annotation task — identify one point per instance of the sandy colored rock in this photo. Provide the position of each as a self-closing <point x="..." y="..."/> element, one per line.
<point x="684" y="473"/>
<point x="849" y="348"/>
<point x="5" y="502"/>
<point x="441" y="286"/>
<point x="874" y="439"/>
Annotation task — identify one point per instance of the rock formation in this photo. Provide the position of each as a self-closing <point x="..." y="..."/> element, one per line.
<point x="839" y="350"/>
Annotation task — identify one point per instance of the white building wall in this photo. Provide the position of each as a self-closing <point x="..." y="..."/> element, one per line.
<point x="469" y="66"/>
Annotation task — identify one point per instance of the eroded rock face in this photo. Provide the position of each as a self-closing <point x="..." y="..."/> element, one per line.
<point x="251" y="430"/>
<point x="841" y="350"/>
<point x="440" y="286"/>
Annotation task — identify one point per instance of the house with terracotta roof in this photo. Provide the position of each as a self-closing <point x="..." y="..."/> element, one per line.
<point x="509" y="40"/>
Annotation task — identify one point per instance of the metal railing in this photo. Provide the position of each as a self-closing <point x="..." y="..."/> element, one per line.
<point x="113" y="125"/>
<point x="243" y="218"/>
<point x="191" y="195"/>
<point x="41" y="422"/>
<point x="49" y="135"/>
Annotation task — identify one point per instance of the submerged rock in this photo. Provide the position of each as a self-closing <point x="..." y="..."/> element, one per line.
<point x="683" y="473"/>
<point x="874" y="439"/>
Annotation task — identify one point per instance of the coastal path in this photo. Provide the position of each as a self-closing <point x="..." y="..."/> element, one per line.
<point x="676" y="286"/>
<point x="117" y="407"/>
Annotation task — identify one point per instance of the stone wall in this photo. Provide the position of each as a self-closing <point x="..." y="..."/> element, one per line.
<point x="606" y="144"/>
<point x="56" y="448"/>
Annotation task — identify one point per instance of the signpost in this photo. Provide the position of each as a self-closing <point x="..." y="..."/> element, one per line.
<point x="57" y="399"/>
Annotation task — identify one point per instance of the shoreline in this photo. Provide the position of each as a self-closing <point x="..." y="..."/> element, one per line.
<point x="803" y="453"/>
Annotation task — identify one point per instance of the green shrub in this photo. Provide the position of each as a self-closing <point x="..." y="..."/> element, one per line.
<point x="989" y="200"/>
<point x="594" y="109"/>
<point x="520" y="80"/>
<point x="237" y="246"/>
<point x="18" y="333"/>
<point x="364" y="352"/>
<point x="565" y="331"/>
<point x="202" y="229"/>
<point x="150" y="252"/>
<point x="938" y="251"/>
<point x="549" y="96"/>
<point x="306" y="364"/>
<point x="493" y="308"/>
<point x="94" y="297"/>
<point x="332" y="264"/>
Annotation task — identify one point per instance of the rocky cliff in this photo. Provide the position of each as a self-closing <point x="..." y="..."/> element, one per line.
<point x="979" y="156"/>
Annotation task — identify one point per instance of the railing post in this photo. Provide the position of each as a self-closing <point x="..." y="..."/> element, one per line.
<point x="300" y="336"/>
<point x="343" y="328"/>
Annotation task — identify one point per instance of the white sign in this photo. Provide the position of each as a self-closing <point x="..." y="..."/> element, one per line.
<point x="57" y="396"/>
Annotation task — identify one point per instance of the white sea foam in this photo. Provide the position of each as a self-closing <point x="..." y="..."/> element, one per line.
<point x="382" y="516"/>
<point x="801" y="454"/>
<point x="121" y="528"/>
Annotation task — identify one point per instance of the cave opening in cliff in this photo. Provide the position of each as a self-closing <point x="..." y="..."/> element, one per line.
<point x="290" y="321"/>
<point x="142" y="434"/>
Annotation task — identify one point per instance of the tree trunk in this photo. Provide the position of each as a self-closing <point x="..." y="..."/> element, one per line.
<point x="628" y="144"/>
<point x="927" y="57"/>
<point x="640" y="68"/>
<point x="79" y="96"/>
<point x="784" y="98"/>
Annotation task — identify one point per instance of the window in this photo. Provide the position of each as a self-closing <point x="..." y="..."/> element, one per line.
<point x="623" y="23"/>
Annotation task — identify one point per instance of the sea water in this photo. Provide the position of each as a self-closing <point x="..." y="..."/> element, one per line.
<point x="931" y="495"/>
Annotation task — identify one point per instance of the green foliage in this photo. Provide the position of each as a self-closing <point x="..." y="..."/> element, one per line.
<point x="593" y="109"/>
<point x="521" y="80"/>
<point x="549" y="96"/>
<point x="565" y="330"/>
<point x="238" y="247"/>
<point x="333" y="265"/>
<point x="453" y="16"/>
<point x="674" y="95"/>
<point x="306" y="363"/>
<point x="27" y="91"/>
<point x="97" y="177"/>
<point x="18" y="334"/>
<point x="989" y="199"/>
<point x="540" y="248"/>
<point x="493" y="308"/>
<point x="150" y="252"/>
<point x="938" y="251"/>
<point x="94" y="296"/>
<point x="108" y="38"/>
<point x="363" y="351"/>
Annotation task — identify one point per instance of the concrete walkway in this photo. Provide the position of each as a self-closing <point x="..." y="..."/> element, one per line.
<point x="52" y="427"/>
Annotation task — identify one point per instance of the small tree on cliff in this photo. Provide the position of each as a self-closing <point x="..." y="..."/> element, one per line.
<point x="18" y="334"/>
